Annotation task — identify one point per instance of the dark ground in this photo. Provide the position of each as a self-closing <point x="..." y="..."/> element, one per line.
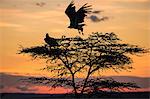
<point x="127" y="95"/>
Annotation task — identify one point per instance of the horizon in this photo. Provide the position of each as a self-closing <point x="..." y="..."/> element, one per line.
<point x="26" y="23"/>
<point x="20" y="86"/>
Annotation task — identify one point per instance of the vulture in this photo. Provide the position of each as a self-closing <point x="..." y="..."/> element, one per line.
<point x="50" y="41"/>
<point x="77" y="17"/>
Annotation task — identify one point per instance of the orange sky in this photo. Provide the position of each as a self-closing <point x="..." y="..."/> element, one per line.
<point x="22" y="22"/>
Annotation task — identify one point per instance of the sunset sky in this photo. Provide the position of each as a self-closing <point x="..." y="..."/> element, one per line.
<point x="25" y="22"/>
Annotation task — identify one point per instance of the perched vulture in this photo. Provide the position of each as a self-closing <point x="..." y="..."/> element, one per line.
<point x="50" y="41"/>
<point x="77" y="17"/>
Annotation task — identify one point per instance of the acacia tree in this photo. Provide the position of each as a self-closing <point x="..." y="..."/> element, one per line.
<point x="72" y="56"/>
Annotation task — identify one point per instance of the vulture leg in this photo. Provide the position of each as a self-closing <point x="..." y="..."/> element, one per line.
<point x="79" y="31"/>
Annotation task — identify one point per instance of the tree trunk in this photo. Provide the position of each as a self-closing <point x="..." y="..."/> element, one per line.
<point x="74" y="85"/>
<point x="87" y="77"/>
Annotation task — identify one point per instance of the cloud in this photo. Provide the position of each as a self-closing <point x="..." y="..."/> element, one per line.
<point x="17" y="13"/>
<point x="40" y="4"/>
<point x="135" y="1"/>
<point x="2" y="86"/>
<point x="140" y="81"/>
<point x="95" y="18"/>
<point x="25" y="88"/>
<point x="15" y="83"/>
<point x="12" y="83"/>
<point x="6" y="24"/>
<point x="123" y="6"/>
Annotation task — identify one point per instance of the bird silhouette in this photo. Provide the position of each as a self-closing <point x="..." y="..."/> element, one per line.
<point x="50" y="41"/>
<point x="77" y="17"/>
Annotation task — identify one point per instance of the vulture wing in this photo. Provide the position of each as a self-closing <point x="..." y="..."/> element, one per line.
<point x="70" y="11"/>
<point x="82" y="12"/>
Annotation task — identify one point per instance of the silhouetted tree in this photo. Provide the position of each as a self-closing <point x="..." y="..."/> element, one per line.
<point x="72" y="56"/>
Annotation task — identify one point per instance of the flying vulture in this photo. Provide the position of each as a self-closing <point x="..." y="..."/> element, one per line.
<point x="77" y="17"/>
<point x="50" y="41"/>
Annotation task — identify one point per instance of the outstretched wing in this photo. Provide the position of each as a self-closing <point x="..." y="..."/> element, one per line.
<point x="70" y="11"/>
<point x="82" y="12"/>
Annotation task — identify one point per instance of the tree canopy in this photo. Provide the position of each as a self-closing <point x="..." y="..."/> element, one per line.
<point x="71" y="56"/>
